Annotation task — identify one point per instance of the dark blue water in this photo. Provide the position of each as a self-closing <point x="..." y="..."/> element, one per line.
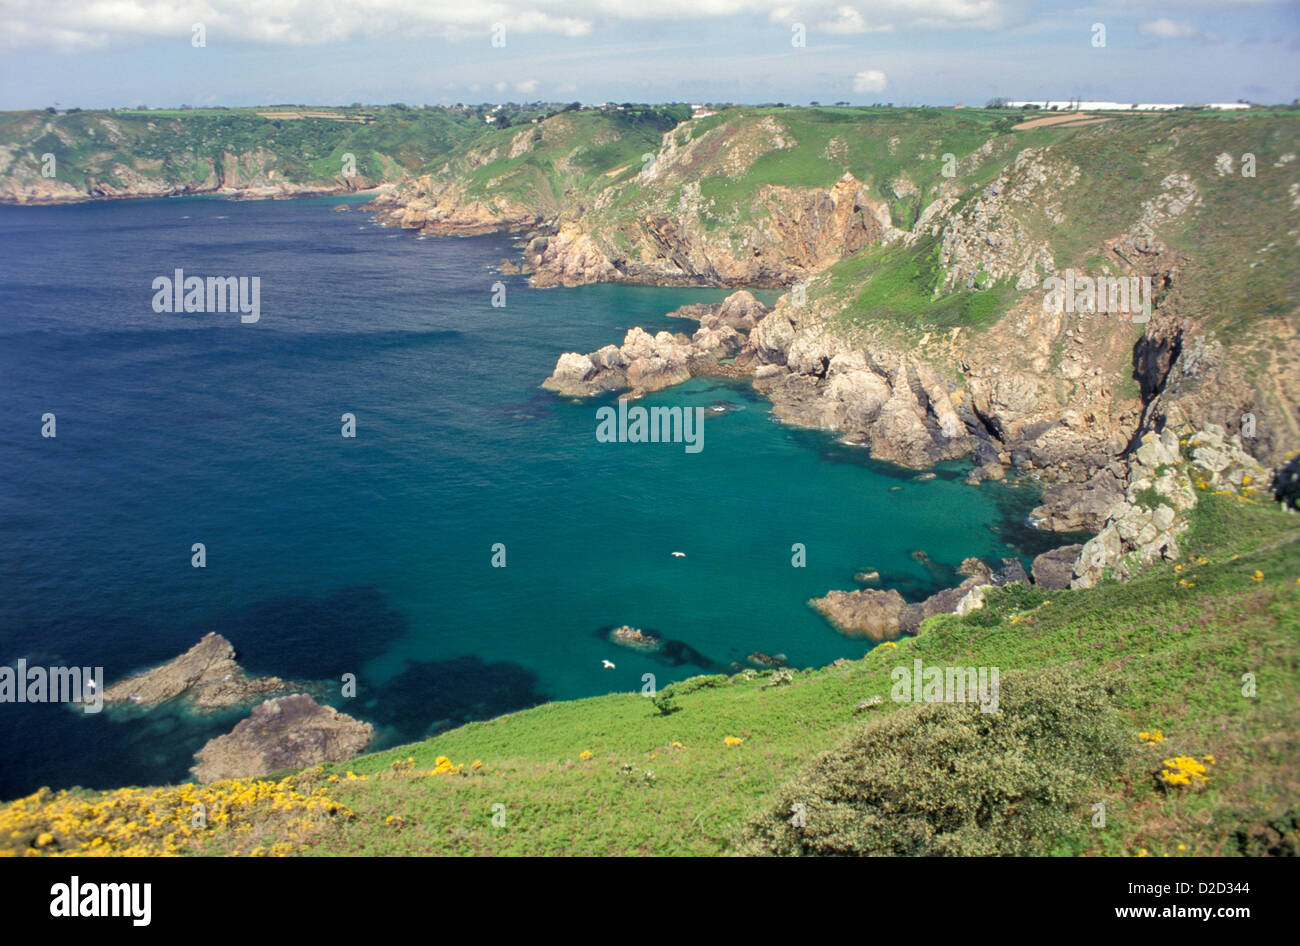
<point x="372" y="555"/>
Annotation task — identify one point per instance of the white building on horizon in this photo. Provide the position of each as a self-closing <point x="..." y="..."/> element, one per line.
<point x="1071" y="105"/>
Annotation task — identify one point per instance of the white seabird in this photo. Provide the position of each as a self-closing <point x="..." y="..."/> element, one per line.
<point x="607" y="664"/>
<point x="679" y="555"/>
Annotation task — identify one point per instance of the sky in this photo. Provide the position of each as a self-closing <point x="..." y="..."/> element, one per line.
<point x="167" y="53"/>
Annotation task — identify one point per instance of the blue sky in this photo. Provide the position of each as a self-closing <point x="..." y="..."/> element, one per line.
<point x="99" y="53"/>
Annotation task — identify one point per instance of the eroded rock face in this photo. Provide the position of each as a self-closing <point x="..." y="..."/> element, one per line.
<point x="1161" y="488"/>
<point x="291" y="732"/>
<point x="1054" y="570"/>
<point x="206" y="674"/>
<point x="901" y="408"/>
<point x="1079" y="507"/>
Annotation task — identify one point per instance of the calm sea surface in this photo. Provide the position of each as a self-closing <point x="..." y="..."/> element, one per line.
<point x="372" y="555"/>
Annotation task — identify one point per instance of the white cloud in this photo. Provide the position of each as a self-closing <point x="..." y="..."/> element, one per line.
<point x="849" y="20"/>
<point x="869" y="80"/>
<point x="528" y="86"/>
<point x="1165" y="28"/>
<point x="86" y="23"/>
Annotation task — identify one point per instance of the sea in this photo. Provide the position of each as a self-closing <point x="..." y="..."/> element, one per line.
<point x="463" y="555"/>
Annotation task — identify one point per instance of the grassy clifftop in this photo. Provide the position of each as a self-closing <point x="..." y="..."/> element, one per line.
<point x="142" y="153"/>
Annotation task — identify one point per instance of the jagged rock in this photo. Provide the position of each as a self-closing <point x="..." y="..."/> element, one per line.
<point x="1145" y="526"/>
<point x="1053" y="570"/>
<point x="1012" y="571"/>
<point x="291" y="732"/>
<point x="648" y="362"/>
<point x="741" y="311"/>
<point x="1098" y="553"/>
<point x="942" y="602"/>
<point x="206" y="673"/>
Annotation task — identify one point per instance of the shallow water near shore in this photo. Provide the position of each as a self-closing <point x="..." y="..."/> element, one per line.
<point x="372" y="555"/>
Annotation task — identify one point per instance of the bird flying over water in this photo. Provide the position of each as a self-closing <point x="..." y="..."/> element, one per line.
<point x="607" y="664"/>
<point x="679" y="555"/>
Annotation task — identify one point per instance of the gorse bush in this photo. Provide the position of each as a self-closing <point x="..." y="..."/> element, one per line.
<point x="946" y="779"/>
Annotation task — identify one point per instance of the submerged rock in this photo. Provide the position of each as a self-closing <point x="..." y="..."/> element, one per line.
<point x="291" y="732"/>
<point x="206" y="673"/>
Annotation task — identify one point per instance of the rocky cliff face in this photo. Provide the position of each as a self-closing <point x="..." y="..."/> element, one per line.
<point x="251" y="177"/>
<point x="1054" y="390"/>
<point x="657" y="225"/>
<point x="1164" y="475"/>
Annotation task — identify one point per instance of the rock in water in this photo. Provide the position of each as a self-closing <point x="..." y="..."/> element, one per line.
<point x="291" y="732"/>
<point x="637" y="639"/>
<point x="206" y="673"/>
<point x="875" y="615"/>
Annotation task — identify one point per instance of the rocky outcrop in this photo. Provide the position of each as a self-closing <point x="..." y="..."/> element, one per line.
<point x="1054" y="570"/>
<point x="1161" y="488"/>
<point x="870" y="613"/>
<point x="902" y="408"/>
<point x="437" y="207"/>
<point x="206" y="674"/>
<point x="291" y="732"/>
<point x="1080" y="507"/>
<point x="570" y="257"/>
<point x="647" y="362"/>
<point x="881" y="615"/>
<point x="781" y="235"/>
<point x="739" y="311"/>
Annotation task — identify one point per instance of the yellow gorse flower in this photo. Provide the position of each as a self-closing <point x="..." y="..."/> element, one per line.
<point x="1184" y="770"/>
<point x="168" y="820"/>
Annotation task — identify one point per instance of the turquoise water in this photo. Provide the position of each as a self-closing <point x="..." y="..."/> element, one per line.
<point x="373" y="555"/>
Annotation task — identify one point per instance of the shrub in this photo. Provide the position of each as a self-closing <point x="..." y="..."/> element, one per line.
<point x="1279" y="837"/>
<point x="946" y="779"/>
